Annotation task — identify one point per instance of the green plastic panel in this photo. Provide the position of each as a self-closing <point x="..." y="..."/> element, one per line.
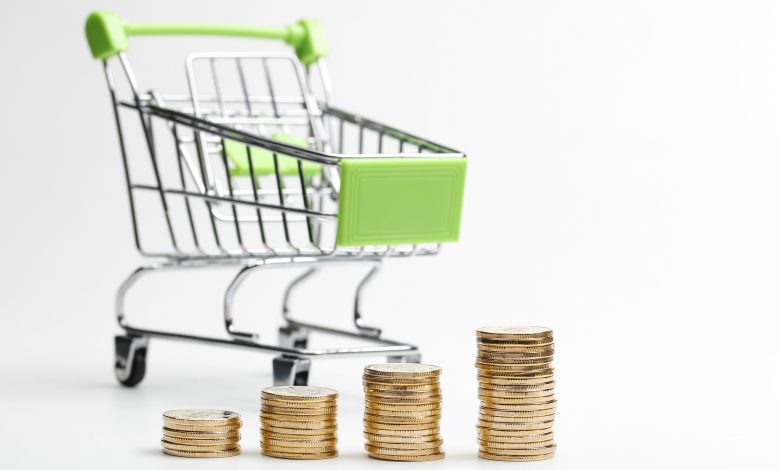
<point x="263" y="160"/>
<point x="107" y="34"/>
<point x="391" y="201"/>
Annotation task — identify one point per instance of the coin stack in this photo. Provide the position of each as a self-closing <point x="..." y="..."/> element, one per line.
<point x="403" y="408"/>
<point x="201" y="433"/>
<point x="298" y="422"/>
<point x="517" y="393"/>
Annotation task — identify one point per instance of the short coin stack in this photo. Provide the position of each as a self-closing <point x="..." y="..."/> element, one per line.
<point x="201" y="433"/>
<point x="403" y="409"/>
<point x="298" y="422"/>
<point x="517" y="393"/>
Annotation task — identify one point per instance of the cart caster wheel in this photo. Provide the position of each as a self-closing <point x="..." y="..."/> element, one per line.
<point x="130" y="359"/>
<point x="293" y="337"/>
<point x="291" y="370"/>
<point x="416" y="358"/>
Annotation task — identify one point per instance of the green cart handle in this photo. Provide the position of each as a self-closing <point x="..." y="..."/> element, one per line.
<point x="107" y="35"/>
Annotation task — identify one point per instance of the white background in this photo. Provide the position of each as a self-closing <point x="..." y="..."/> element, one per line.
<point x="622" y="189"/>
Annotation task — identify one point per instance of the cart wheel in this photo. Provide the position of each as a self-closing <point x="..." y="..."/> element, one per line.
<point x="293" y="337"/>
<point x="130" y="359"/>
<point x="291" y="370"/>
<point x="416" y="358"/>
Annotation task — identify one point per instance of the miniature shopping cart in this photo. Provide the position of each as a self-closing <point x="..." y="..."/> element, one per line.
<point x="254" y="169"/>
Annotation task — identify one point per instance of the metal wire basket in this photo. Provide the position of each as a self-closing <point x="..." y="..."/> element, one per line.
<point x="254" y="167"/>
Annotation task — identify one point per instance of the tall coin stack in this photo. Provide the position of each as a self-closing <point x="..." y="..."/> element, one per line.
<point x="298" y="422"/>
<point x="403" y="409"/>
<point x="517" y="393"/>
<point x="201" y="433"/>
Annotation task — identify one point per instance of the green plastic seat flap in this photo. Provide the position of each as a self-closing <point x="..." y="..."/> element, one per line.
<point x="263" y="160"/>
<point x="390" y="201"/>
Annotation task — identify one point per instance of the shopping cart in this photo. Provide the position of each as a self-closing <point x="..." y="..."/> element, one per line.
<point x="255" y="169"/>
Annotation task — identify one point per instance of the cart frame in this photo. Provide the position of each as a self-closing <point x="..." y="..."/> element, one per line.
<point x="292" y="360"/>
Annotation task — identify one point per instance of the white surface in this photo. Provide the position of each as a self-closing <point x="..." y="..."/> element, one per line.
<point x="622" y="189"/>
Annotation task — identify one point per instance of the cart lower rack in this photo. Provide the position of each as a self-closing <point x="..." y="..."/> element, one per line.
<point x="255" y="169"/>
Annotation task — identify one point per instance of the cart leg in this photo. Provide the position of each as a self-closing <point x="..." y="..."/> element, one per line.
<point x="130" y="359"/>
<point x="293" y="337"/>
<point x="412" y="358"/>
<point x="291" y="370"/>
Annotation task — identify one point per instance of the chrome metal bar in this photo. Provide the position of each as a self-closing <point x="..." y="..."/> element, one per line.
<point x="212" y="198"/>
<point x="253" y="179"/>
<point x="233" y="208"/>
<point x="147" y="127"/>
<point x="123" y="152"/>
<point x="386" y="347"/>
<point x="183" y="182"/>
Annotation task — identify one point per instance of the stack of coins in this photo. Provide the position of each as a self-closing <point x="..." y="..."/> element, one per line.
<point x="517" y="393"/>
<point x="403" y="408"/>
<point x="201" y="433"/>
<point x="298" y="422"/>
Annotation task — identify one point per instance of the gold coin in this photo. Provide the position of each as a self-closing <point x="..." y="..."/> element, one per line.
<point x="513" y="380"/>
<point x="403" y="446"/>
<point x="284" y="410"/>
<point x="516" y="419"/>
<point x="403" y="401"/>
<point x="384" y="419"/>
<point x="515" y="368"/>
<point x="484" y="437"/>
<point x="403" y="407"/>
<point x="234" y="434"/>
<point x="515" y="426"/>
<point x="204" y="429"/>
<point x="287" y="447"/>
<point x="300" y="456"/>
<point x="200" y="442"/>
<point x="201" y="417"/>
<point x="510" y="360"/>
<point x="271" y="442"/>
<point x="520" y="406"/>
<point x="197" y="448"/>
<point x="489" y="445"/>
<point x="293" y="424"/>
<point x="516" y="375"/>
<point x="390" y="396"/>
<point x="501" y="361"/>
<point x="515" y="458"/>
<point x="515" y="401"/>
<point x="392" y="380"/>
<point x="393" y="451"/>
<point x="509" y="414"/>
<point x="298" y="404"/>
<point x="407" y="458"/>
<point x="407" y="438"/>
<point x="325" y="436"/>
<point x="401" y="388"/>
<point x="371" y="426"/>
<point x="530" y="451"/>
<point x="300" y="393"/>
<point x="519" y="387"/>
<point x="202" y="455"/>
<point x="312" y="418"/>
<point x="491" y="431"/>
<point x="513" y="332"/>
<point x="266" y="428"/>
<point x="505" y="347"/>
<point x="488" y="392"/>
<point x="408" y="369"/>
<point x="402" y="433"/>
<point x="403" y="413"/>
<point x="514" y="345"/>
<point x="500" y="356"/>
